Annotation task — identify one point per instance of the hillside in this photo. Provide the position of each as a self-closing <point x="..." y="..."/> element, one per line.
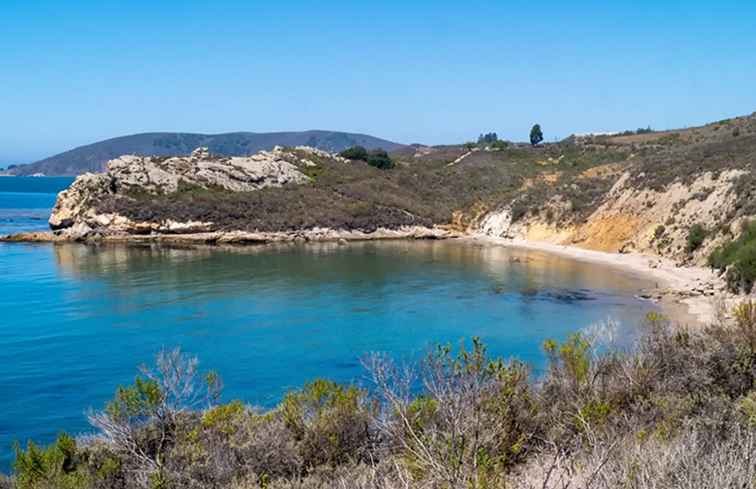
<point x="93" y="157"/>
<point x="676" y="194"/>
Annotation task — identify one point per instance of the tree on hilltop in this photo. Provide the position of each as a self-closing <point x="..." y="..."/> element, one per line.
<point x="536" y="135"/>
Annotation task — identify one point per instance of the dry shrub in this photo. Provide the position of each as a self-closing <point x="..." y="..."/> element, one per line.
<point x="694" y="459"/>
<point x="472" y="422"/>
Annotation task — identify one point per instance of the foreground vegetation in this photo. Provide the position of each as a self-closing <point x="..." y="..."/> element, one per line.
<point x="676" y="411"/>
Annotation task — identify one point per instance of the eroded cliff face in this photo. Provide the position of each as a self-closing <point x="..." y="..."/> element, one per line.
<point x="632" y="219"/>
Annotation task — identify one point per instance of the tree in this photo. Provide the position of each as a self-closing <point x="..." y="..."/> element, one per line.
<point x="536" y="135"/>
<point x="487" y="138"/>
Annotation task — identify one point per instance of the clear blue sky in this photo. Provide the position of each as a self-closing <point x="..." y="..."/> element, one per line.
<point x="74" y="72"/>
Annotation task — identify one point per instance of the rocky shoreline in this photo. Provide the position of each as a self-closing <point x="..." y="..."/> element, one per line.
<point x="236" y="237"/>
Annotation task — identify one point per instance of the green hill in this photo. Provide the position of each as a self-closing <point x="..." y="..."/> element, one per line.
<point x="93" y="157"/>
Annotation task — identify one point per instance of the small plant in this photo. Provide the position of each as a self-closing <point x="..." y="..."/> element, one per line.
<point x="659" y="231"/>
<point x="572" y="357"/>
<point x="745" y="320"/>
<point x="52" y="467"/>
<point x="330" y="422"/>
<point x="696" y="237"/>
<point x="499" y="145"/>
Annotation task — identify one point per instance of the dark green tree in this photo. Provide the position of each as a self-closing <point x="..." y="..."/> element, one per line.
<point x="536" y="135"/>
<point x="488" y="138"/>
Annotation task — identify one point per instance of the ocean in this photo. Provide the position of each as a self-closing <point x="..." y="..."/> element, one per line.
<point x="78" y="319"/>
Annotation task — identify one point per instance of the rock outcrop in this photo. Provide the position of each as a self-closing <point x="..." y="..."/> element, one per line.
<point x="76" y="211"/>
<point x="237" y="174"/>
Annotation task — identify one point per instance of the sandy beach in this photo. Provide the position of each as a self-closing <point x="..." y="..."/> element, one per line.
<point x="688" y="295"/>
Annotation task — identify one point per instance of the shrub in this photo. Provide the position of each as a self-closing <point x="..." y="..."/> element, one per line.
<point x="680" y="402"/>
<point x="738" y="257"/>
<point x="52" y="467"/>
<point x="380" y="159"/>
<point x="330" y="422"/>
<point x="659" y="231"/>
<point x="571" y="357"/>
<point x="473" y="421"/>
<point x="696" y="237"/>
<point x="355" y="153"/>
<point x="140" y="421"/>
<point x="499" y="144"/>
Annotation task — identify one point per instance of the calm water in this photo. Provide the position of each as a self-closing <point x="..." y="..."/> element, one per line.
<point x="25" y="202"/>
<point x="77" y="320"/>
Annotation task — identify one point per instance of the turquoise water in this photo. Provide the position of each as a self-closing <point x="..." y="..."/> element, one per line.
<point x="78" y="319"/>
<point x="25" y="202"/>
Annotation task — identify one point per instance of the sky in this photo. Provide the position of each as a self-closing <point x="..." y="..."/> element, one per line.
<point x="74" y="72"/>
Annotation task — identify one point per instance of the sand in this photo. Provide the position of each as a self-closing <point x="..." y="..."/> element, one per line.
<point x="686" y="294"/>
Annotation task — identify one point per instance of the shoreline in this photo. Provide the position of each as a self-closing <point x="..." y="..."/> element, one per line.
<point x="686" y="294"/>
<point x="219" y="238"/>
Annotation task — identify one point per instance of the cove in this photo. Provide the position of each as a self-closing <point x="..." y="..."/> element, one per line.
<point x="77" y="319"/>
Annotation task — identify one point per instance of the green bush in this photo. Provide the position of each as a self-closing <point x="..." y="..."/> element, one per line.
<point x="52" y="467"/>
<point x="738" y="257"/>
<point x="377" y="158"/>
<point x="380" y="159"/>
<point x="355" y="153"/>
<point x="499" y="144"/>
<point x="329" y="421"/>
<point x="696" y="237"/>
